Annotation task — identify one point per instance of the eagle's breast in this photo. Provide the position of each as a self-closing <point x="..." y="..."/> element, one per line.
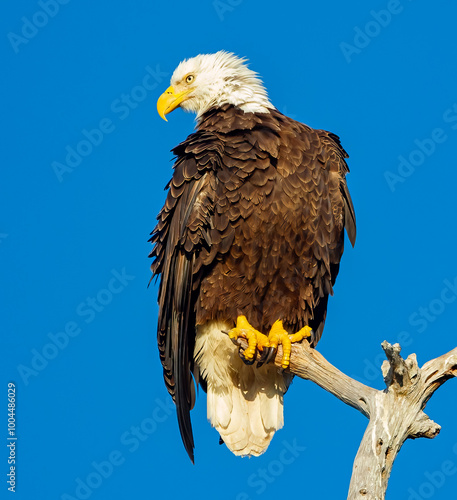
<point x="277" y="222"/>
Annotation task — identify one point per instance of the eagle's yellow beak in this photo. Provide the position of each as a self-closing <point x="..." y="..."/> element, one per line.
<point x="169" y="101"/>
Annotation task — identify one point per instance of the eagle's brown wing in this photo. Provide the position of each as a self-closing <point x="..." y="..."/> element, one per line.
<point x="343" y="169"/>
<point x="334" y="156"/>
<point x="183" y="231"/>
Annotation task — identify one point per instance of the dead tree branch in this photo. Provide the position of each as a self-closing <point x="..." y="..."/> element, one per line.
<point x="395" y="413"/>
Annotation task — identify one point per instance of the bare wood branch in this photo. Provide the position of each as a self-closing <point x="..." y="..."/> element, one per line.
<point x="395" y="414"/>
<point x="309" y="364"/>
<point x="437" y="371"/>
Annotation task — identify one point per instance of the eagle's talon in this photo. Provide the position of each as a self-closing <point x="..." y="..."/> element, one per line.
<point x="246" y="361"/>
<point x="278" y="335"/>
<point x="256" y="341"/>
<point x="266" y="356"/>
<point x="266" y="347"/>
<point x="303" y="333"/>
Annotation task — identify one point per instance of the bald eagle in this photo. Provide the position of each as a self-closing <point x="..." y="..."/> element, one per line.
<point x="249" y="240"/>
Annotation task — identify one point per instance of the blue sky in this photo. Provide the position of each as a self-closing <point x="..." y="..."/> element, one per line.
<point x="85" y="158"/>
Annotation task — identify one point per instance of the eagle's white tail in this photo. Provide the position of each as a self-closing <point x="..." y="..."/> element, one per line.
<point x="245" y="403"/>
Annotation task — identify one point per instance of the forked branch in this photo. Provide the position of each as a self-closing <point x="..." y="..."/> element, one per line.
<point x="395" y="414"/>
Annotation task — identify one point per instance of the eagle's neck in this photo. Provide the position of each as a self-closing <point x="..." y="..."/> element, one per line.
<point x="246" y="92"/>
<point x="229" y="118"/>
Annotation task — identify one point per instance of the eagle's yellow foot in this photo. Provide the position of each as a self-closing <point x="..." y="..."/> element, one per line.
<point x="256" y="339"/>
<point x="278" y="336"/>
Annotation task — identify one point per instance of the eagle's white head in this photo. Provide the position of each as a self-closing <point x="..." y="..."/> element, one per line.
<point x="212" y="80"/>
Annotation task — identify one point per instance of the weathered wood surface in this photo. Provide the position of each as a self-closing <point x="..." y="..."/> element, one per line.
<point x="395" y="413"/>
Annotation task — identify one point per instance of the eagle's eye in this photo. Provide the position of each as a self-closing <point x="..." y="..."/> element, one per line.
<point x="190" y="78"/>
